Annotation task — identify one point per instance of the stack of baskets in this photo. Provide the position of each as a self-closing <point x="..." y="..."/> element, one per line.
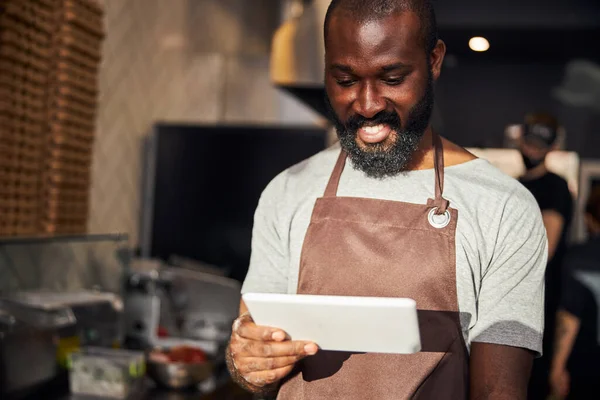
<point x="49" y="60"/>
<point x="26" y="32"/>
<point x="72" y="112"/>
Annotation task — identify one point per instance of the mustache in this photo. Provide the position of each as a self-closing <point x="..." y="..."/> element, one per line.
<point x="357" y="121"/>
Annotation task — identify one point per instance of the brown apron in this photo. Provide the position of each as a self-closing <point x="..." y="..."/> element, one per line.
<point x="368" y="247"/>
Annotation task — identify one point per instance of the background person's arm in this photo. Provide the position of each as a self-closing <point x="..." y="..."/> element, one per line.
<point x="554" y="224"/>
<point x="567" y="328"/>
<point x="568" y="320"/>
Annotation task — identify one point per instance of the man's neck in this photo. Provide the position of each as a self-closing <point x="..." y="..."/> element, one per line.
<point x="535" y="173"/>
<point x="423" y="158"/>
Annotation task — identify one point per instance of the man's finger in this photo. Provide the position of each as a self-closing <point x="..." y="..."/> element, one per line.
<point x="257" y="364"/>
<point x="263" y="378"/>
<point x="254" y="348"/>
<point x="249" y="330"/>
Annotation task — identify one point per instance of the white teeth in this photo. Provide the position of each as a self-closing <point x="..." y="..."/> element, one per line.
<point x="373" y="129"/>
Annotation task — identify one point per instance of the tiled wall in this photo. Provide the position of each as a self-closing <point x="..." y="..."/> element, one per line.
<point x="177" y="60"/>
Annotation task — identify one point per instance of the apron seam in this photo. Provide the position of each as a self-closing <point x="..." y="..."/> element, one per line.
<point x="441" y="231"/>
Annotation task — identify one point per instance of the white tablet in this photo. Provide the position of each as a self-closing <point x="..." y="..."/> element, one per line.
<point x="340" y="323"/>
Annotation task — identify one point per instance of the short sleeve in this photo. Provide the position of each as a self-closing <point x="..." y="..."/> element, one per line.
<point x="573" y="296"/>
<point x="575" y="293"/>
<point x="559" y="199"/>
<point x="269" y="259"/>
<point x="510" y="304"/>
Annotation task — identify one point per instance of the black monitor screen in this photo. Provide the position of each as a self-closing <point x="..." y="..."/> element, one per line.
<point x="206" y="184"/>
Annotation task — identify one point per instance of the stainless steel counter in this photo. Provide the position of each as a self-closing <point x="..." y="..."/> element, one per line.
<point x="224" y="390"/>
<point x="227" y="391"/>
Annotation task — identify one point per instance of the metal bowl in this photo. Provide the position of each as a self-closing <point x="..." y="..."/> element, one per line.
<point x="178" y="375"/>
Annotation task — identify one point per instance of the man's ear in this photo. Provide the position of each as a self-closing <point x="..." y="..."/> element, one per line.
<point x="437" y="59"/>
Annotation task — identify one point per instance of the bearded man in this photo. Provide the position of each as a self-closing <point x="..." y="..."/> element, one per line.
<point x="395" y="210"/>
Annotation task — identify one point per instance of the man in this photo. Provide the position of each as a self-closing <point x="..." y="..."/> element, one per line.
<point x="554" y="198"/>
<point x="574" y="371"/>
<point x="394" y="210"/>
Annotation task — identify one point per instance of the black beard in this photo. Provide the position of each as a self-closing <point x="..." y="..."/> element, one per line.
<point x="380" y="160"/>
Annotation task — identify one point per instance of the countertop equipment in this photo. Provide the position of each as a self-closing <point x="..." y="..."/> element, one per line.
<point x="28" y="345"/>
<point x="97" y="317"/>
<point x="109" y="373"/>
<point x="188" y="369"/>
<point x="171" y="306"/>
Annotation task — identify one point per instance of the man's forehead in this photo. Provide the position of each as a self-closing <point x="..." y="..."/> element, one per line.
<point x="348" y="35"/>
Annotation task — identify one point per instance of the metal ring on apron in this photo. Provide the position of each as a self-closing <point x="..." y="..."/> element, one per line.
<point x="438" y="221"/>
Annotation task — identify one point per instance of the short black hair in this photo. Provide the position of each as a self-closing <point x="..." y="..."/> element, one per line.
<point x="370" y="10"/>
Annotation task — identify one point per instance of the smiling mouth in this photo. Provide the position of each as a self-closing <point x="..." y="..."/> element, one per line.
<point x="374" y="133"/>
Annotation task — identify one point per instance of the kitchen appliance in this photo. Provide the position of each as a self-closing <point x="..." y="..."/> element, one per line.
<point x="98" y="317"/>
<point x="171" y="306"/>
<point x="28" y="345"/>
<point x="298" y="54"/>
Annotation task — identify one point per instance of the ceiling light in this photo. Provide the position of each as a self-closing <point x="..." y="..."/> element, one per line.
<point x="479" y="44"/>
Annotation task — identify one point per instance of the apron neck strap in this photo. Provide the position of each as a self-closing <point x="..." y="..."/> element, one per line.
<point x="334" y="180"/>
<point x="438" y="161"/>
<point x="438" y="164"/>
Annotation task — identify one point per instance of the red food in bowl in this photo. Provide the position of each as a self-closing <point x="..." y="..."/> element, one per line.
<point x="162" y="332"/>
<point x="180" y="354"/>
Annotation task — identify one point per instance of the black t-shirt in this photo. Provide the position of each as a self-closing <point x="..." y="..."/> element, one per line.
<point x="552" y="193"/>
<point x="580" y="297"/>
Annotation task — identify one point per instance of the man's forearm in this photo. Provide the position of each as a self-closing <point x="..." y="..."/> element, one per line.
<point x="268" y="390"/>
<point x="499" y="372"/>
<point x="567" y="327"/>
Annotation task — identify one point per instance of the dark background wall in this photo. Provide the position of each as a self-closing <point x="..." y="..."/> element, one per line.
<point x="555" y="14"/>
<point x="479" y="94"/>
<point x="477" y="101"/>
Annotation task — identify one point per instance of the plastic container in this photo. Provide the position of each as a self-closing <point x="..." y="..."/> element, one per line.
<point x="109" y="373"/>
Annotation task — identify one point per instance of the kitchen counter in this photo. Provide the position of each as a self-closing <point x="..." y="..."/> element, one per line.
<point x="229" y="391"/>
<point x="59" y="390"/>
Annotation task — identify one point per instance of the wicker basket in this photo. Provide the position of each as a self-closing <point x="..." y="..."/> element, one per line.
<point x="50" y="54"/>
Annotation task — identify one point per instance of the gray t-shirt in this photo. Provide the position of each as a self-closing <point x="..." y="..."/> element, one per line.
<point x="501" y="245"/>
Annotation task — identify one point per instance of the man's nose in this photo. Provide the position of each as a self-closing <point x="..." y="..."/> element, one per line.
<point x="368" y="102"/>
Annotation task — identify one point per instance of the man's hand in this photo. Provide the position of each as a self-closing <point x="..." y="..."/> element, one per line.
<point x="262" y="356"/>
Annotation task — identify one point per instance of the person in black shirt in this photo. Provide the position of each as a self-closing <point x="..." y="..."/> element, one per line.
<point x="556" y="203"/>
<point x="575" y="370"/>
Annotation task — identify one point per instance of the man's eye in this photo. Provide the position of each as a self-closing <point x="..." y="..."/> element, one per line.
<point x="394" y="81"/>
<point x="345" y="82"/>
